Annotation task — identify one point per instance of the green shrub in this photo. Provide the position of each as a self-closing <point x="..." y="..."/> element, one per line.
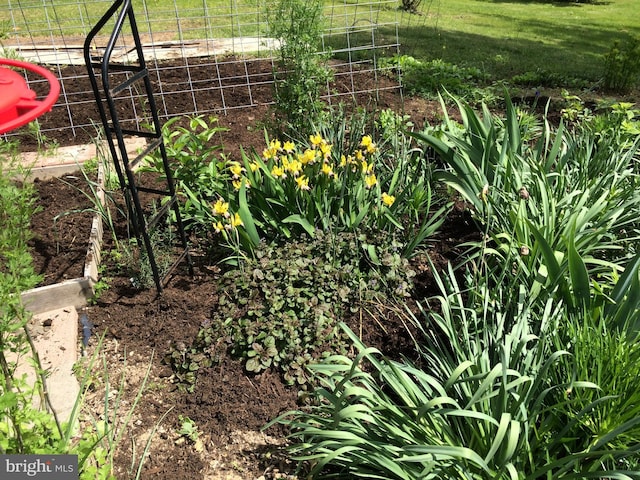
<point x="302" y="70"/>
<point x="622" y="65"/>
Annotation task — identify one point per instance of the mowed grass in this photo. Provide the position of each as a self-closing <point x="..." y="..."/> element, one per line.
<point x="505" y="38"/>
<point x="75" y="18"/>
<point x="502" y="38"/>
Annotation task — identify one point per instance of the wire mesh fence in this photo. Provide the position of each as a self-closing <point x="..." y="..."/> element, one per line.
<point x="205" y="56"/>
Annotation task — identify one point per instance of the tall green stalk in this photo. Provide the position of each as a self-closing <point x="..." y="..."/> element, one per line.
<point x="302" y="71"/>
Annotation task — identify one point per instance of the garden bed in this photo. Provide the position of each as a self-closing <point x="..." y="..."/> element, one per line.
<point x="229" y="406"/>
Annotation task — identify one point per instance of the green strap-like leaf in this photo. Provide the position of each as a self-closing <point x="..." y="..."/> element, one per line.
<point x="246" y="217"/>
<point x="303" y="222"/>
<point x="579" y="276"/>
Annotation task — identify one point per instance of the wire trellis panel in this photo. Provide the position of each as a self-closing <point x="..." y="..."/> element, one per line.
<point x="205" y="56"/>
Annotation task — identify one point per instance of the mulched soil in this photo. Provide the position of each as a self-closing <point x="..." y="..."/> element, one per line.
<point x="229" y="405"/>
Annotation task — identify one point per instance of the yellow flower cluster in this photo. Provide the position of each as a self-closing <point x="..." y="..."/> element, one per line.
<point x="223" y="218"/>
<point x="237" y="174"/>
<point x="286" y="160"/>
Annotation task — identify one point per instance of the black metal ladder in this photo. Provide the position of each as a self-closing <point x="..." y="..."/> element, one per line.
<point x="121" y="11"/>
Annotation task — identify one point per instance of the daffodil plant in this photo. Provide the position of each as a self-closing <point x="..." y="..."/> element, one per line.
<point x="293" y="188"/>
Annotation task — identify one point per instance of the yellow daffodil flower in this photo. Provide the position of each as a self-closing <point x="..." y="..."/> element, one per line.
<point x="236" y="221"/>
<point x="370" y="180"/>
<point x="275" y="145"/>
<point x="308" y="157"/>
<point x="303" y="182"/>
<point x="327" y="169"/>
<point x="272" y="150"/>
<point x="236" y="169"/>
<point x="220" y="207"/>
<point x="289" y="147"/>
<point x="294" y="167"/>
<point x="237" y="184"/>
<point x="267" y="154"/>
<point x="278" y="172"/>
<point x="218" y="227"/>
<point x="254" y="166"/>
<point x="325" y="148"/>
<point x="368" y="144"/>
<point x="316" y="139"/>
<point x="388" y="199"/>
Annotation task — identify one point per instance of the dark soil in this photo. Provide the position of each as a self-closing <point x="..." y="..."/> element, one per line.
<point x="229" y="406"/>
<point x="61" y="228"/>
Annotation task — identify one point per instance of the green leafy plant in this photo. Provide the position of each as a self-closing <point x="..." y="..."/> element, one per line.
<point x="302" y="70"/>
<point x="197" y="166"/>
<point x="493" y="398"/>
<point x="527" y="358"/>
<point x="188" y="428"/>
<point x="282" y="308"/>
<point x="543" y="202"/>
<point x="24" y="427"/>
<point x="545" y="78"/>
<point x="622" y="65"/>
<point x="430" y="78"/>
<point x="334" y="180"/>
<point x="45" y="145"/>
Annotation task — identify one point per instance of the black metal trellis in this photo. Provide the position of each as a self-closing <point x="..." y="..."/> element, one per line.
<point x="121" y="11"/>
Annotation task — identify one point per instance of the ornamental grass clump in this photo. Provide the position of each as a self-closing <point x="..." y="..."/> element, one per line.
<point x="503" y="392"/>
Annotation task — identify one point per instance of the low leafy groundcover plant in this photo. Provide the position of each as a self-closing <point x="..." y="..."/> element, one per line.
<point x="282" y="308"/>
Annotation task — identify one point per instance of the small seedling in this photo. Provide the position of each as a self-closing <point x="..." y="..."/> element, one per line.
<point x="188" y="428"/>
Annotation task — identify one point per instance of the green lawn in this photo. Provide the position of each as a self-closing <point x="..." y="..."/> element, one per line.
<point x="502" y="38"/>
<point x="511" y="37"/>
